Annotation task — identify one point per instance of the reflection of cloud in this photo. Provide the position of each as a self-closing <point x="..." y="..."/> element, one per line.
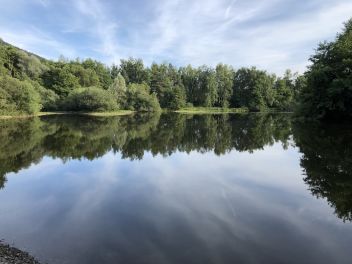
<point x="166" y="210"/>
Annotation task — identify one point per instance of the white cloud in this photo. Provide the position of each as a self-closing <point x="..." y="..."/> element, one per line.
<point x="272" y="35"/>
<point x="207" y="32"/>
<point x="38" y="42"/>
<point x="102" y="26"/>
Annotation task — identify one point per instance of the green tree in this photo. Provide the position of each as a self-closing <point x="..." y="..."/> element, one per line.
<point x="207" y="92"/>
<point x="102" y="71"/>
<point x="160" y="83"/>
<point x="133" y="71"/>
<point x="17" y="97"/>
<point x="118" y="89"/>
<point x="139" y="98"/>
<point x="253" y="88"/>
<point x="90" y="99"/>
<point x="176" y="97"/>
<point x="30" y="65"/>
<point x="87" y="77"/>
<point x="224" y="78"/>
<point x="328" y="93"/>
<point x="189" y="77"/>
<point x="284" y="92"/>
<point x="60" y="80"/>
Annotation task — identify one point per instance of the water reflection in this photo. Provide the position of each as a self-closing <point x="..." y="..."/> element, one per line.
<point x="71" y="137"/>
<point x="327" y="163"/>
<point x="176" y="188"/>
<point x="327" y="154"/>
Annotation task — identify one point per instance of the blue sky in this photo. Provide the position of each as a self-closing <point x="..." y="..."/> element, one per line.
<point x="271" y="34"/>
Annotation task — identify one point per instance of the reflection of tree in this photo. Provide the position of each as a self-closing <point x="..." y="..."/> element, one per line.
<point x="74" y="137"/>
<point x="327" y="162"/>
<point x="20" y="144"/>
<point x="327" y="155"/>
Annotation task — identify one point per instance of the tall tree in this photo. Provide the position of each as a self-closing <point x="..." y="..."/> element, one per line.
<point x="133" y="71"/>
<point x="328" y="93"/>
<point x="253" y="88"/>
<point x="224" y="78"/>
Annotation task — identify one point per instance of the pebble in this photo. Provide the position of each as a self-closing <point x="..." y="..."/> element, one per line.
<point x="11" y="255"/>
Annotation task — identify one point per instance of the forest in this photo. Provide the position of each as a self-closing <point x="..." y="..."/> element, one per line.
<point x="29" y="84"/>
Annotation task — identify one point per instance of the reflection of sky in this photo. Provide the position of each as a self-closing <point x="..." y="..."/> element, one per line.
<point x="199" y="207"/>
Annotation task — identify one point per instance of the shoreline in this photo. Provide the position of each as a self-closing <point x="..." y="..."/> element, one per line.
<point x="115" y="113"/>
<point x="193" y="111"/>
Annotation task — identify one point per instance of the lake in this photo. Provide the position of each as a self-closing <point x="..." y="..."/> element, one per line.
<point x="173" y="188"/>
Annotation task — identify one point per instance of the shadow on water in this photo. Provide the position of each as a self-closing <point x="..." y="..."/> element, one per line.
<point x="326" y="152"/>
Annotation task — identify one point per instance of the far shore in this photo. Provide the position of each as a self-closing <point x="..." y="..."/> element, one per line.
<point x="189" y="110"/>
<point x="114" y="113"/>
<point x="211" y="110"/>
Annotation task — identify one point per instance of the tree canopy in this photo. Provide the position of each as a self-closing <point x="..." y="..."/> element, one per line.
<point x="328" y="90"/>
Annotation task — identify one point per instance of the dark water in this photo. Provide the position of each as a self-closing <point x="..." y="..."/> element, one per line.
<point x="177" y="189"/>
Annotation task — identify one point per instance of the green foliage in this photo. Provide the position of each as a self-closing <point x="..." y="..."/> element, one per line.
<point x="114" y="71"/>
<point x="133" y="71"/>
<point x="189" y="78"/>
<point x="167" y="85"/>
<point x="48" y="98"/>
<point x="60" y="80"/>
<point x="224" y="78"/>
<point x="86" y="77"/>
<point x="100" y="70"/>
<point x="29" y="65"/>
<point x="140" y="99"/>
<point x="253" y="88"/>
<point x="161" y="83"/>
<point x="328" y="93"/>
<point x="90" y="99"/>
<point x="18" y="97"/>
<point x="176" y="97"/>
<point x="118" y="90"/>
<point x="283" y="95"/>
<point x="207" y="87"/>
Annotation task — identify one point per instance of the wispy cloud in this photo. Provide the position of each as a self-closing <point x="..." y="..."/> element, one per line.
<point x="100" y="25"/>
<point x="272" y="34"/>
<point x="38" y="42"/>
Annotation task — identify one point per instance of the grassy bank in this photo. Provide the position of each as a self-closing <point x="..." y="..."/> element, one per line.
<point x="211" y="110"/>
<point x="115" y="113"/>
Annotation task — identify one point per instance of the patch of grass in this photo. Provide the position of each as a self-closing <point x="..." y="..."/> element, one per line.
<point x="211" y="110"/>
<point x="114" y="113"/>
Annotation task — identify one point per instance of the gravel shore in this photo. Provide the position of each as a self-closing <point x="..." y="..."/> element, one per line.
<point x="11" y="255"/>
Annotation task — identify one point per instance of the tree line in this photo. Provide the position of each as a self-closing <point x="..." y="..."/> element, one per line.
<point x="29" y="83"/>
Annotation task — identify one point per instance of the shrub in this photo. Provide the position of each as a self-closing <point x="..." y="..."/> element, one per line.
<point x="140" y="99"/>
<point x="49" y="99"/>
<point x="90" y="99"/>
<point x="18" y="97"/>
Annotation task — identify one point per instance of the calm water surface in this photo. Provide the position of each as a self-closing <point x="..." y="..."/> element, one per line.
<point x="176" y="189"/>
